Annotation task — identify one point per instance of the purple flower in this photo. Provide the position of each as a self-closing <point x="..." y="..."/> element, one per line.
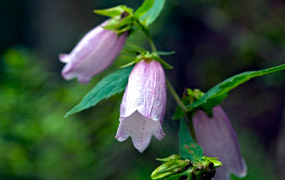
<point x="143" y="105"/>
<point x="218" y="139"/>
<point x="94" y="53"/>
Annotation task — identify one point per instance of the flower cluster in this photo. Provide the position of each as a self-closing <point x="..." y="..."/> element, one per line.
<point x="143" y="105"/>
<point x="144" y="102"/>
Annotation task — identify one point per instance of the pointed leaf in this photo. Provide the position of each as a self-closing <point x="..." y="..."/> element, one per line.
<point x="112" y="84"/>
<point x="188" y="148"/>
<point x="114" y="11"/>
<point x="174" y="156"/>
<point x="152" y="14"/>
<point x="144" y="8"/>
<point x="218" y="93"/>
<point x="164" y="53"/>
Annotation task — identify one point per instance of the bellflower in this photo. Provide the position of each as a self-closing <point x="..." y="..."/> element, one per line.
<point x="143" y="105"/>
<point x="94" y="53"/>
<point x="218" y="139"/>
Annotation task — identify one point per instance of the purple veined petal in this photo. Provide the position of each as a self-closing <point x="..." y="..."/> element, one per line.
<point x="145" y="92"/>
<point x="140" y="129"/>
<point x="218" y="139"/>
<point x="94" y="53"/>
<point x="143" y="105"/>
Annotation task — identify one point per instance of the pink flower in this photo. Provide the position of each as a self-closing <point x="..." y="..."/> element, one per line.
<point x="143" y="105"/>
<point x="218" y="139"/>
<point x="94" y="53"/>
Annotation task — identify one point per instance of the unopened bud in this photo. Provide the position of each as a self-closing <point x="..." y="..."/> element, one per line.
<point x="169" y="168"/>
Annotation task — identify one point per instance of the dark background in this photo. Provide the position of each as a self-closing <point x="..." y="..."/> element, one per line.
<point x="213" y="39"/>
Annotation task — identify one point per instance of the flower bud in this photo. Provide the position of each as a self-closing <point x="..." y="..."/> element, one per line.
<point x="169" y="168"/>
<point x="94" y="53"/>
<point x="143" y="105"/>
<point x="218" y="139"/>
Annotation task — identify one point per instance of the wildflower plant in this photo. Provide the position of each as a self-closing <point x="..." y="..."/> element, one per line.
<point x="208" y="143"/>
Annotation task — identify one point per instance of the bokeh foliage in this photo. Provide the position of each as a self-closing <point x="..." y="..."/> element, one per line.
<point x="212" y="39"/>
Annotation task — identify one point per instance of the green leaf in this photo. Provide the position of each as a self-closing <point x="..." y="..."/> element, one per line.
<point x="169" y="168"/>
<point x="174" y="156"/>
<point x="118" y="24"/>
<point x="112" y="84"/>
<point x="213" y="160"/>
<point x="178" y="114"/>
<point x="152" y="14"/>
<point x="165" y="64"/>
<point x="144" y="8"/>
<point x="177" y="176"/>
<point x="188" y="148"/>
<point x="135" y="47"/>
<point x="163" y="53"/>
<point x="114" y="11"/>
<point x="218" y="93"/>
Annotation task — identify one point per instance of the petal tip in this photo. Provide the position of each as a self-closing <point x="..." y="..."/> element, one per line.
<point x="140" y="129"/>
<point x="63" y="58"/>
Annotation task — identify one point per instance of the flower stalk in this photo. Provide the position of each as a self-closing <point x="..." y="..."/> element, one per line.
<point x="169" y="85"/>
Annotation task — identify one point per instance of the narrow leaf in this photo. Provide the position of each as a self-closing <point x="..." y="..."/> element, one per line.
<point x="188" y="148"/>
<point x="152" y="14"/>
<point x="177" y="176"/>
<point x="110" y="85"/>
<point x="163" y="53"/>
<point x="135" y="47"/>
<point x="218" y="93"/>
<point x="114" y="11"/>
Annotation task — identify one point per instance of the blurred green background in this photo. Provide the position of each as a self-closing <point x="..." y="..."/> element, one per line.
<point x="213" y="40"/>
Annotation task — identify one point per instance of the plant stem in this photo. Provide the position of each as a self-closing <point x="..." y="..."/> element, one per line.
<point x="170" y="87"/>
<point x="175" y="96"/>
<point x="191" y="126"/>
<point x="149" y="38"/>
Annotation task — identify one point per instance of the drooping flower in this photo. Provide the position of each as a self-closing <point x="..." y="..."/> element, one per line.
<point x="94" y="53"/>
<point x="218" y="139"/>
<point x="143" y="105"/>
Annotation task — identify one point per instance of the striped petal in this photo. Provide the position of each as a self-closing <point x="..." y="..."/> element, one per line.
<point x="94" y="53"/>
<point x="143" y="105"/>
<point x="218" y="139"/>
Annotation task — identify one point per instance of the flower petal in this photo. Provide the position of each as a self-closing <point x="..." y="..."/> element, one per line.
<point x="94" y="53"/>
<point x="140" y="129"/>
<point x="218" y="139"/>
<point x="146" y="91"/>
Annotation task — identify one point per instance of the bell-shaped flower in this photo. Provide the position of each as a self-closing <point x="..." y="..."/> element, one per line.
<point x="218" y="139"/>
<point x="94" y="53"/>
<point x="143" y="105"/>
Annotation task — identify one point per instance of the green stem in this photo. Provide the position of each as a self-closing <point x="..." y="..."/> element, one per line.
<point x="191" y="126"/>
<point x="169" y="86"/>
<point x="149" y="38"/>
<point x="175" y="96"/>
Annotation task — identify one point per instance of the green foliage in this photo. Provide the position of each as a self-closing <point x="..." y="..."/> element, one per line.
<point x="152" y="14"/>
<point x="170" y="167"/>
<point x="36" y="142"/>
<point x="110" y="85"/>
<point x="174" y="167"/>
<point x="171" y="157"/>
<point x="188" y="148"/>
<point x="121" y="18"/>
<point x="114" y="11"/>
<point x="189" y="97"/>
<point x="218" y="93"/>
<point x="144" y="8"/>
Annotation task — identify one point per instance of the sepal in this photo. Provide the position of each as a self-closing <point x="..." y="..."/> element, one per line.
<point x="121" y="18"/>
<point x="114" y="11"/>
<point x="174" y="167"/>
<point x="189" y="97"/>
